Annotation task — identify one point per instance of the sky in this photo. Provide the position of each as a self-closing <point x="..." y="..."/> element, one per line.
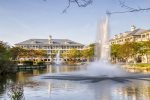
<point x="29" y="19"/>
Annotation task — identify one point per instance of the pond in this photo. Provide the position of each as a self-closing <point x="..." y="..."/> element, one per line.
<point x="42" y="89"/>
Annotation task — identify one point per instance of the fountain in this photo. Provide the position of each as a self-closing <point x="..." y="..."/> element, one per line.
<point x="101" y="66"/>
<point x="101" y="69"/>
<point x="102" y="49"/>
<point x="58" y="59"/>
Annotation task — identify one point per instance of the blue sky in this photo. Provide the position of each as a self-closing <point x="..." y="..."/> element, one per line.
<point x="24" y="19"/>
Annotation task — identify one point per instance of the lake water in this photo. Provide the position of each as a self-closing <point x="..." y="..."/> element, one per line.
<point x="36" y="88"/>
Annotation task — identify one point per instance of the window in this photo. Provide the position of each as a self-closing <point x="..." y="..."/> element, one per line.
<point x="143" y="36"/>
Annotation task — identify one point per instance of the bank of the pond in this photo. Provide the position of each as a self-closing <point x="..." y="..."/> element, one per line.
<point x="141" y="66"/>
<point x="7" y="68"/>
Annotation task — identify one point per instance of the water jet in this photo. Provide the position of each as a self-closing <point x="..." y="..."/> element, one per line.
<point x="58" y="60"/>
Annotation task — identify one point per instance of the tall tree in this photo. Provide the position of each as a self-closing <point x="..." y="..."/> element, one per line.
<point x="6" y="65"/>
<point x="146" y="49"/>
<point x="16" y="52"/>
<point x="114" y="52"/>
<point x="89" y="52"/>
<point x="125" y="51"/>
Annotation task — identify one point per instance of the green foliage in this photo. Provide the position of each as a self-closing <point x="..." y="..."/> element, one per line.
<point x="114" y="50"/>
<point x="126" y="50"/>
<point x="8" y="57"/>
<point x="6" y="65"/>
<point x="71" y="54"/>
<point x="89" y="53"/>
<point x="40" y="53"/>
<point x="40" y="63"/>
<point x="146" y="47"/>
<point x="74" y="54"/>
<point x="28" y="62"/>
<point x="130" y="49"/>
<point x="92" y="45"/>
<point x="4" y="51"/>
<point x="16" y="52"/>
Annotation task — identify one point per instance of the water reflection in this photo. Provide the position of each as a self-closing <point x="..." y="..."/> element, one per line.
<point x="57" y="69"/>
<point x="109" y="90"/>
<point x="3" y="83"/>
<point x="138" y="90"/>
<point x="70" y="90"/>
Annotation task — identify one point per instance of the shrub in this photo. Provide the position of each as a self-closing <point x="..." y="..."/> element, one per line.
<point x="28" y="62"/>
<point x="40" y="63"/>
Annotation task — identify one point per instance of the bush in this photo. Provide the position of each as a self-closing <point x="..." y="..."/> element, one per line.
<point x="40" y="63"/>
<point x="28" y="62"/>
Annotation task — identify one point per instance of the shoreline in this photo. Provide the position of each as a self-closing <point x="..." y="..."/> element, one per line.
<point x="140" y="66"/>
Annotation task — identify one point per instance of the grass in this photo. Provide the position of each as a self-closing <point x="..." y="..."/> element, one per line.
<point x="141" y="65"/>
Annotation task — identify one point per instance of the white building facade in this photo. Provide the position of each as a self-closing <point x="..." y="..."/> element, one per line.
<point x="50" y="45"/>
<point x="134" y="35"/>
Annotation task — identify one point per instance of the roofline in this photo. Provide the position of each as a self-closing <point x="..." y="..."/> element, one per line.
<point x="75" y="43"/>
<point x="47" y="44"/>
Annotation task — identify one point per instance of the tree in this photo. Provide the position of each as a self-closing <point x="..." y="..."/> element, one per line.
<point x="4" y="51"/>
<point x="114" y="52"/>
<point x="136" y="49"/>
<point x="40" y="53"/>
<point x="131" y="50"/>
<point x="89" y="52"/>
<point x="128" y="8"/>
<point x="6" y="65"/>
<point x="72" y="55"/>
<point x="85" y="3"/>
<point x="125" y="51"/>
<point x="79" y="3"/>
<point x="146" y="49"/>
<point x="16" y="52"/>
<point x="35" y="54"/>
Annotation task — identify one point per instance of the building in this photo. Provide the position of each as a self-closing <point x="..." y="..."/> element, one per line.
<point x="134" y="35"/>
<point x="50" y="45"/>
